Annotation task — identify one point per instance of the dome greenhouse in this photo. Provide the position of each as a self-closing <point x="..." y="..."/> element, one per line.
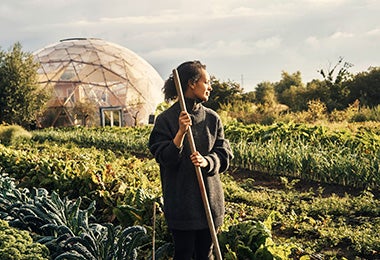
<point x="95" y="82"/>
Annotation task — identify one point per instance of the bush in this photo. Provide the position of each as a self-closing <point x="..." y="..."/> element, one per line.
<point x="17" y="244"/>
<point x="358" y="117"/>
<point x="13" y="134"/>
<point x="375" y="114"/>
<point x="316" y="110"/>
<point x="338" y="116"/>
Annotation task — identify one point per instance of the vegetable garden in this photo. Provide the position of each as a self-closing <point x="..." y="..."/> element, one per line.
<point x="94" y="193"/>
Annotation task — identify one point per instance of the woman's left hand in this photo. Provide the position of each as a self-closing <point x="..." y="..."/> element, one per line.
<point x="198" y="160"/>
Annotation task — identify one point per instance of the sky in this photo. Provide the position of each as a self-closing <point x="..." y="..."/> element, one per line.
<point x="244" y="41"/>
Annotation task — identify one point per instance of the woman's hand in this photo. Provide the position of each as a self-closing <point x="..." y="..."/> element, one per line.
<point x="198" y="160"/>
<point x="184" y="122"/>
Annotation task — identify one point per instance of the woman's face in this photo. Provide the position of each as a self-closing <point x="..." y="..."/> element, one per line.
<point x="202" y="88"/>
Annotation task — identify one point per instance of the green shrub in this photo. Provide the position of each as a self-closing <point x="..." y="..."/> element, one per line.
<point x="338" y="116"/>
<point x="18" y="244"/>
<point x="268" y="119"/>
<point x="366" y="114"/>
<point x="316" y="110"/>
<point x="375" y="114"/>
<point x="358" y="117"/>
<point x="13" y="134"/>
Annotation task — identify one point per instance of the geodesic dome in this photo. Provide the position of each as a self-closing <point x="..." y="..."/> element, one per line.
<point x="92" y="79"/>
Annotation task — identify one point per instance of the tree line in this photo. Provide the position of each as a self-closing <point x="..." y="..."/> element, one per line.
<point x="21" y="99"/>
<point x="338" y="88"/>
<point x="336" y="92"/>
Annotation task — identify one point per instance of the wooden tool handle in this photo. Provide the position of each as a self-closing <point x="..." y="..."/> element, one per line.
<point x="198" y="170"/>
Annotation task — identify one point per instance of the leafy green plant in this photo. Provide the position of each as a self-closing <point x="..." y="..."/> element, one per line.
<point x="253" y="240"/>
<point x="66" y="229"/>
<point x="18" y="244"/>
<point x="104" y="242"/>
<point x="244" y="238"/>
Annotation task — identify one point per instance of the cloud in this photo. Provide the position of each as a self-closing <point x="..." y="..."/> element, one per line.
<point x="326" y="3"/>
<point x="340" y="35"/>
<point x="165" y="53"/>
<point x="268" y="44"/>
<point x="313" y="42"/>
<point x="374" y="32"/>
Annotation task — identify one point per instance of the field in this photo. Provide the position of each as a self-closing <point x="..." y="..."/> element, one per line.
<point x="294" y="191"/>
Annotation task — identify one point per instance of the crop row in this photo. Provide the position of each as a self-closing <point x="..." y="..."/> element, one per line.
<point x="76" y="171"/>
<point x="317" y="153"/>
<point x="312" y="153"/>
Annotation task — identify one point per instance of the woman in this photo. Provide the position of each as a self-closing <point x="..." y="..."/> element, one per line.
<point x="183" y="206"/>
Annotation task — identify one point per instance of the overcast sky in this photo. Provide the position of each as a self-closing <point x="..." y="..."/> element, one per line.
<point x="246" y="41"/>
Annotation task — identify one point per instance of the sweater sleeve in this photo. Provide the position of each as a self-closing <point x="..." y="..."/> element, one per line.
<point x="161" y="144"/>
<point x="220" y="155"/>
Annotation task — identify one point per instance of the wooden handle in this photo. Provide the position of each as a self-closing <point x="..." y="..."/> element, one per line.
<point x="198" y="171"/>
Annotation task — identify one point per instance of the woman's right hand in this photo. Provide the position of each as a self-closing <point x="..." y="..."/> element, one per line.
<point x="184" y="122"/>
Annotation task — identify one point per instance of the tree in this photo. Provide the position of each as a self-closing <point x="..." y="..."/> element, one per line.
<point x="337" y="85"/>
<point x="287" y="81"/>
<point x="223" y="93"/>
<point x="20" y="97"/>
<point x="365" y="86"/>
<point x="265" y="94"/>
<point x="288" y="90"/>
<point x="293" y="97"/>
<point x="249" y="97"/>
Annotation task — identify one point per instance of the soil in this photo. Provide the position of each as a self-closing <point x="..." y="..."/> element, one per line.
<point x="274" y="182"/>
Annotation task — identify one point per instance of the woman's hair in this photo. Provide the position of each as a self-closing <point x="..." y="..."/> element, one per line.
<point x="189" y="72"/>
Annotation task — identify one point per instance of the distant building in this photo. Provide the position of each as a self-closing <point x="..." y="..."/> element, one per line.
<point x="95" y="82"/>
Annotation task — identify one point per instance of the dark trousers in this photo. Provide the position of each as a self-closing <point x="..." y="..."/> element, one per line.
<point x="192" y="244"/>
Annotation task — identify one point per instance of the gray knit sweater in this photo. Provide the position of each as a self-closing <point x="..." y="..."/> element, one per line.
<point x="183" y="206"/>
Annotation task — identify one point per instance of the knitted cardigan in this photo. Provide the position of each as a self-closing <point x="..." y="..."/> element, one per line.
<point x="183" y="206"/>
